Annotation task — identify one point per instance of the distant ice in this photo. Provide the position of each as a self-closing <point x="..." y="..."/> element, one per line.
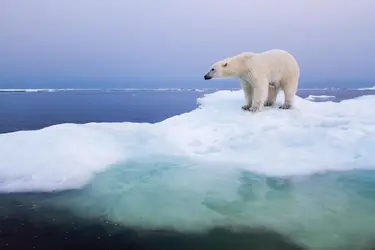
<point x="42" y="90"/>
<point x="27" y="90"/>
<point x="112" y="90"/>
<point x="319" y="97"/>
<point x="146" y="89"/>
<point x="368" y="88"/>
<point x="300" y="171"/>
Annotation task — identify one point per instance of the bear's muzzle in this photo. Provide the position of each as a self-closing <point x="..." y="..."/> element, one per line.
<point x="207" y="77"/>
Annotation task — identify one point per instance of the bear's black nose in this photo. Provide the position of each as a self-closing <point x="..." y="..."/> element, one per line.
<point x="207" y="77"/>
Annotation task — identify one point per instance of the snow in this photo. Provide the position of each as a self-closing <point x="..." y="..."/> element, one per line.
<point x="311" y="138"/>
<point x="307" y="172"/>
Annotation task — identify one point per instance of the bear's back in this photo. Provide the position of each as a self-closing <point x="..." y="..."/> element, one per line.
<point x="276" y="63"/>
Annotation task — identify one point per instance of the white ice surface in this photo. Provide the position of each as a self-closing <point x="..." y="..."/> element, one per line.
<point x="311" y="138"/>
<point x="215" y="165"/>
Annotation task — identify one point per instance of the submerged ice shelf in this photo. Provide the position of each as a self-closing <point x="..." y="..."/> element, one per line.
<point x="292" y="170"/>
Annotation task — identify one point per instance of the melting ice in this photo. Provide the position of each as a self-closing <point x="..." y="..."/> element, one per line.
<point x="307" y="172"/>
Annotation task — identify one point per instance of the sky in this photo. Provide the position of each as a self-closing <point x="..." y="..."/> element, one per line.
<point x="172" y="43"/>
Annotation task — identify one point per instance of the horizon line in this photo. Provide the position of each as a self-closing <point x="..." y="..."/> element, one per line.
<point x="156" y="89"/>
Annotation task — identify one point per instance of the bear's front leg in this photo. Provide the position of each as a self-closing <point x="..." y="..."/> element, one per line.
<point x="246" y="107"/>
<point x="248" y="92"/>
<point x="260" y="93"/>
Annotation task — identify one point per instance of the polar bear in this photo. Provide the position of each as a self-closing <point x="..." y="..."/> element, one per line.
<point x="261" y="76"/>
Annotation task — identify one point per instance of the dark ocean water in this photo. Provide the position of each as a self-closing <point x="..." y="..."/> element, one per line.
<point x="36" y="110"/>
<point x="23" y="225"/>
<point x="30" y="111"/>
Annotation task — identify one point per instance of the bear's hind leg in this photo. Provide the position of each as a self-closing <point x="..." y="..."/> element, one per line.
<point x="290" y="90"/>
<point x="273" y="90"/>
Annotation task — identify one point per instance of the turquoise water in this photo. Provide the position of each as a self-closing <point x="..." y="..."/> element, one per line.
<point x="331" y="210"/>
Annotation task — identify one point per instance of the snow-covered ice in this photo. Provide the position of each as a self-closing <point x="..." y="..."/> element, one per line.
<point x="305" y="171"/>
<point x="314" y="137"/>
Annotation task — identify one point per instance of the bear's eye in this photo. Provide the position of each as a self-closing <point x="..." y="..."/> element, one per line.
<point x="212" y="69"/>
<point x="226" y="64"/>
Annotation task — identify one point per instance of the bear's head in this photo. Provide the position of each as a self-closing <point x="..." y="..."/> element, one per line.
<point x="228" y="68"/>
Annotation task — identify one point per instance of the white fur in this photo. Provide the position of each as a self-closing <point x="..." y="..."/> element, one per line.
<point x="262" y="75"/>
